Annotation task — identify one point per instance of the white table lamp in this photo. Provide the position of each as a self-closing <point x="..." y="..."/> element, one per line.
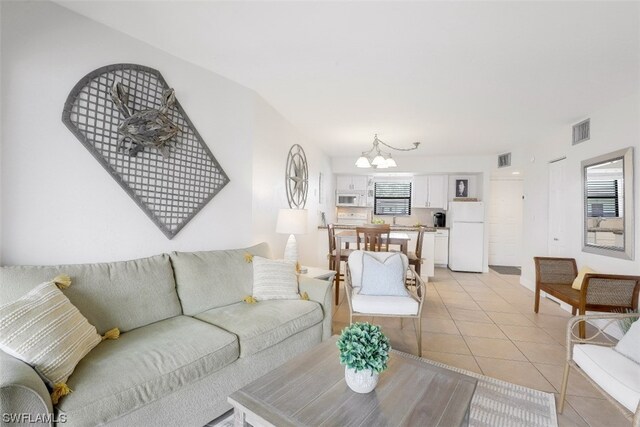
<point x="291" y="222"/>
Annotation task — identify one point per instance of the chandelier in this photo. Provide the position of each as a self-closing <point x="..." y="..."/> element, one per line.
<point x="379" y="159"/>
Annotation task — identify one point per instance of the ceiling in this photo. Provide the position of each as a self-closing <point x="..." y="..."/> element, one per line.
<point x="461" y="77"/>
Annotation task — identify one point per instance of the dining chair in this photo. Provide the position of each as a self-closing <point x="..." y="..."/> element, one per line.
<point x="344" y="253"/>
<point x="415" y="258"/>
<point x="374" y="238"/>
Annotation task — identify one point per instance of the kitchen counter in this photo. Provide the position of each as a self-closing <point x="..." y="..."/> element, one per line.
<point x="393" y="228"/>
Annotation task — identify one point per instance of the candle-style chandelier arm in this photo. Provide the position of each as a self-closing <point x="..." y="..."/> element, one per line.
<point x="377" y="158"/>
<point x="415" y="145"/>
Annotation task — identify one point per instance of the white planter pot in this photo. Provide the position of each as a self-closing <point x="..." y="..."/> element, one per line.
<point x="362" y="381"/>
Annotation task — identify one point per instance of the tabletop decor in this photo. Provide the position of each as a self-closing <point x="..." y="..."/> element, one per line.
<point x="129" y="119"/>
<point x="364" y="351"/>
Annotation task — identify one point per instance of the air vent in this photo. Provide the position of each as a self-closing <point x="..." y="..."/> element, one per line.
<point x="581" y="131"/>
<point x="504" y="160"/>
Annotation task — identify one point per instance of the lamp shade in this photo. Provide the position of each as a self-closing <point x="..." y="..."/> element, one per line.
<point x="378" y="160"/>
<point x="363" y="162"/>
<point x="391" y="163"/>
<point x="292" y="221"/>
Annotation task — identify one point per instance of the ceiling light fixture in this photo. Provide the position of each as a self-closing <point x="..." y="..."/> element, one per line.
<point x="379" y="159"/>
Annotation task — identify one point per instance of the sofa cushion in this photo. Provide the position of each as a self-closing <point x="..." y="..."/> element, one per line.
<point x="46" y="331"/>
<point x="375" y="304"/>
<point x="126" y="295"/>
<point x="212" y="279"/>
<point x="616" y="374"/>
<point x="144" y="365"/>
<point x="266" y="323"/>
<point x="274" y="279"/>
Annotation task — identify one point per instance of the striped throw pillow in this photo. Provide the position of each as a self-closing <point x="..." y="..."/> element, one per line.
<point x="46" y="331"/>
<point x="274" y="279"/>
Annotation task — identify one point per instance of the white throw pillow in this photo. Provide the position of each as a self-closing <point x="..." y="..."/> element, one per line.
<point x="356" y="264"/>
<point x="274" y="279"/>
<point x="577" y="282"/>
<point x="629" y="344"/>
<point x="46" y="331"/>
<point x="383" y="278"/>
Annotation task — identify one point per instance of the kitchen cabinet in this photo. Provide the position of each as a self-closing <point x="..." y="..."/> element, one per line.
<point x="353" y="183"/>
<point x="441" y="248"/>
<point x="430" y="191"/>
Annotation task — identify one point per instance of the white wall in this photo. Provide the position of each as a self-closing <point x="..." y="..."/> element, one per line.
<point x="612" y="128"/>
<point x="58" y="204"/>
<point x="454" y="166"/>
<point x="274" y="138"/>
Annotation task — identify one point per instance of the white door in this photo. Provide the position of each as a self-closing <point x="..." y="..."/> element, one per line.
<point x="359" y="183"/>
<point x="505" y="222"/>
<point x="343" y="183"/>
<point x="557" y="234"/>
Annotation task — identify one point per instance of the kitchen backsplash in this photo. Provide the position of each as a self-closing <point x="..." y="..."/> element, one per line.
<point x="423" y="216"/>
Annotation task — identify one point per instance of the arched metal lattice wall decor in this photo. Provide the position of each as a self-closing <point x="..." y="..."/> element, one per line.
<point x="171" y="180"/>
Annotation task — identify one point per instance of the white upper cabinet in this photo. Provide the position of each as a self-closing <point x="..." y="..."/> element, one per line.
<point x="346" y="183"/>
<point x="438" y="194"/>
<point x="430" y="191"/>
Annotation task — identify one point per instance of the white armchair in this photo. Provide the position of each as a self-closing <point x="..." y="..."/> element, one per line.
<point x="612" y="373"/>
<point x="363" y="303"/>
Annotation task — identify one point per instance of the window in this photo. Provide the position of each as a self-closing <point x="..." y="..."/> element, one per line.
<point x="603" y="199"/>
<point x="392" y="198"/>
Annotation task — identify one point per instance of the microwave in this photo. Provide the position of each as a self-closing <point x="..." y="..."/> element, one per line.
<point x="348" y="199"/>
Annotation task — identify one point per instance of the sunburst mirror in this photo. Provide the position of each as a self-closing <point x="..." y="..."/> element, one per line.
<point x="297" y="177"/>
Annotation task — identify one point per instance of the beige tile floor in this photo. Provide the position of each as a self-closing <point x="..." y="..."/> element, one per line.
<point x="485" y="323"/>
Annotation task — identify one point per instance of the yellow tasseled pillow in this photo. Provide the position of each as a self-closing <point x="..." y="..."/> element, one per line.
<point x="46" y="331"/>
<point x="577" y="283"/>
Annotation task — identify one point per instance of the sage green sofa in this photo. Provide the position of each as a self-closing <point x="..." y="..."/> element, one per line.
<point x="187" y="340"/>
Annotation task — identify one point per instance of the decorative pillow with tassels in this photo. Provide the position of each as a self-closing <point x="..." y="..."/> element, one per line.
<point x="46" y="331"/>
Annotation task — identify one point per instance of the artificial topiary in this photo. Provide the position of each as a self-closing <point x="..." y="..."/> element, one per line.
<point x="363" y="346"/>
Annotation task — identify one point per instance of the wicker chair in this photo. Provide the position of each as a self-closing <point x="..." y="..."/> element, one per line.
<point x="600" y="292"/>
<point x="602" y="366"/>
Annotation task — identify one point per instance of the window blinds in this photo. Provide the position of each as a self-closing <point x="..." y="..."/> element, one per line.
<point x="603" y="199"/>
<point x="392" y="198"/>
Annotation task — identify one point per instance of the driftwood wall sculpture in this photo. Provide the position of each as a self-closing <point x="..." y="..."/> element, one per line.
<point x="130" y="120"/>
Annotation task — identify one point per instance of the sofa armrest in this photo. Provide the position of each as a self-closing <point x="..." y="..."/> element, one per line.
<point x="320" y="292"/>
<point x="23" y="395"/>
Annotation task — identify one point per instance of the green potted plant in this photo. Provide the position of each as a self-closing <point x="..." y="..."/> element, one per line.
<point x="364" y="350"/>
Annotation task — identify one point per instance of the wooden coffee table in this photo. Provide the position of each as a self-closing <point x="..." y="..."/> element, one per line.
<point x="310" y="390"/>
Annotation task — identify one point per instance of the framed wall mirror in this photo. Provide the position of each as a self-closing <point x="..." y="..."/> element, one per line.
<point x="607" y="183"/>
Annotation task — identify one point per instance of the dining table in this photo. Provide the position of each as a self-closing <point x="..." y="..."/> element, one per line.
<point x="349" y="236"/>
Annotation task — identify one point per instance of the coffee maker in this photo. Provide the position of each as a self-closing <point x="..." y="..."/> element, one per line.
<point x="439" y="219"/>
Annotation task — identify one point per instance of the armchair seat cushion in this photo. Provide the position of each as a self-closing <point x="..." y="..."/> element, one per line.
<point x="616" y="374"/>
<point x="391" y="305"/>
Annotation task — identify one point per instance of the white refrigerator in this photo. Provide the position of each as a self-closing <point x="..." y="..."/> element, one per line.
<point x="466" y="236"/>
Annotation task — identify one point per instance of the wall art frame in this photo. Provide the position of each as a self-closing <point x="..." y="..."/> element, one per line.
<point x="170" y="189"/>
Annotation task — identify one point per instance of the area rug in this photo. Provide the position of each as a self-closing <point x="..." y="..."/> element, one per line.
<point x="502" y="269"/>
<point x="495" y="403"/>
